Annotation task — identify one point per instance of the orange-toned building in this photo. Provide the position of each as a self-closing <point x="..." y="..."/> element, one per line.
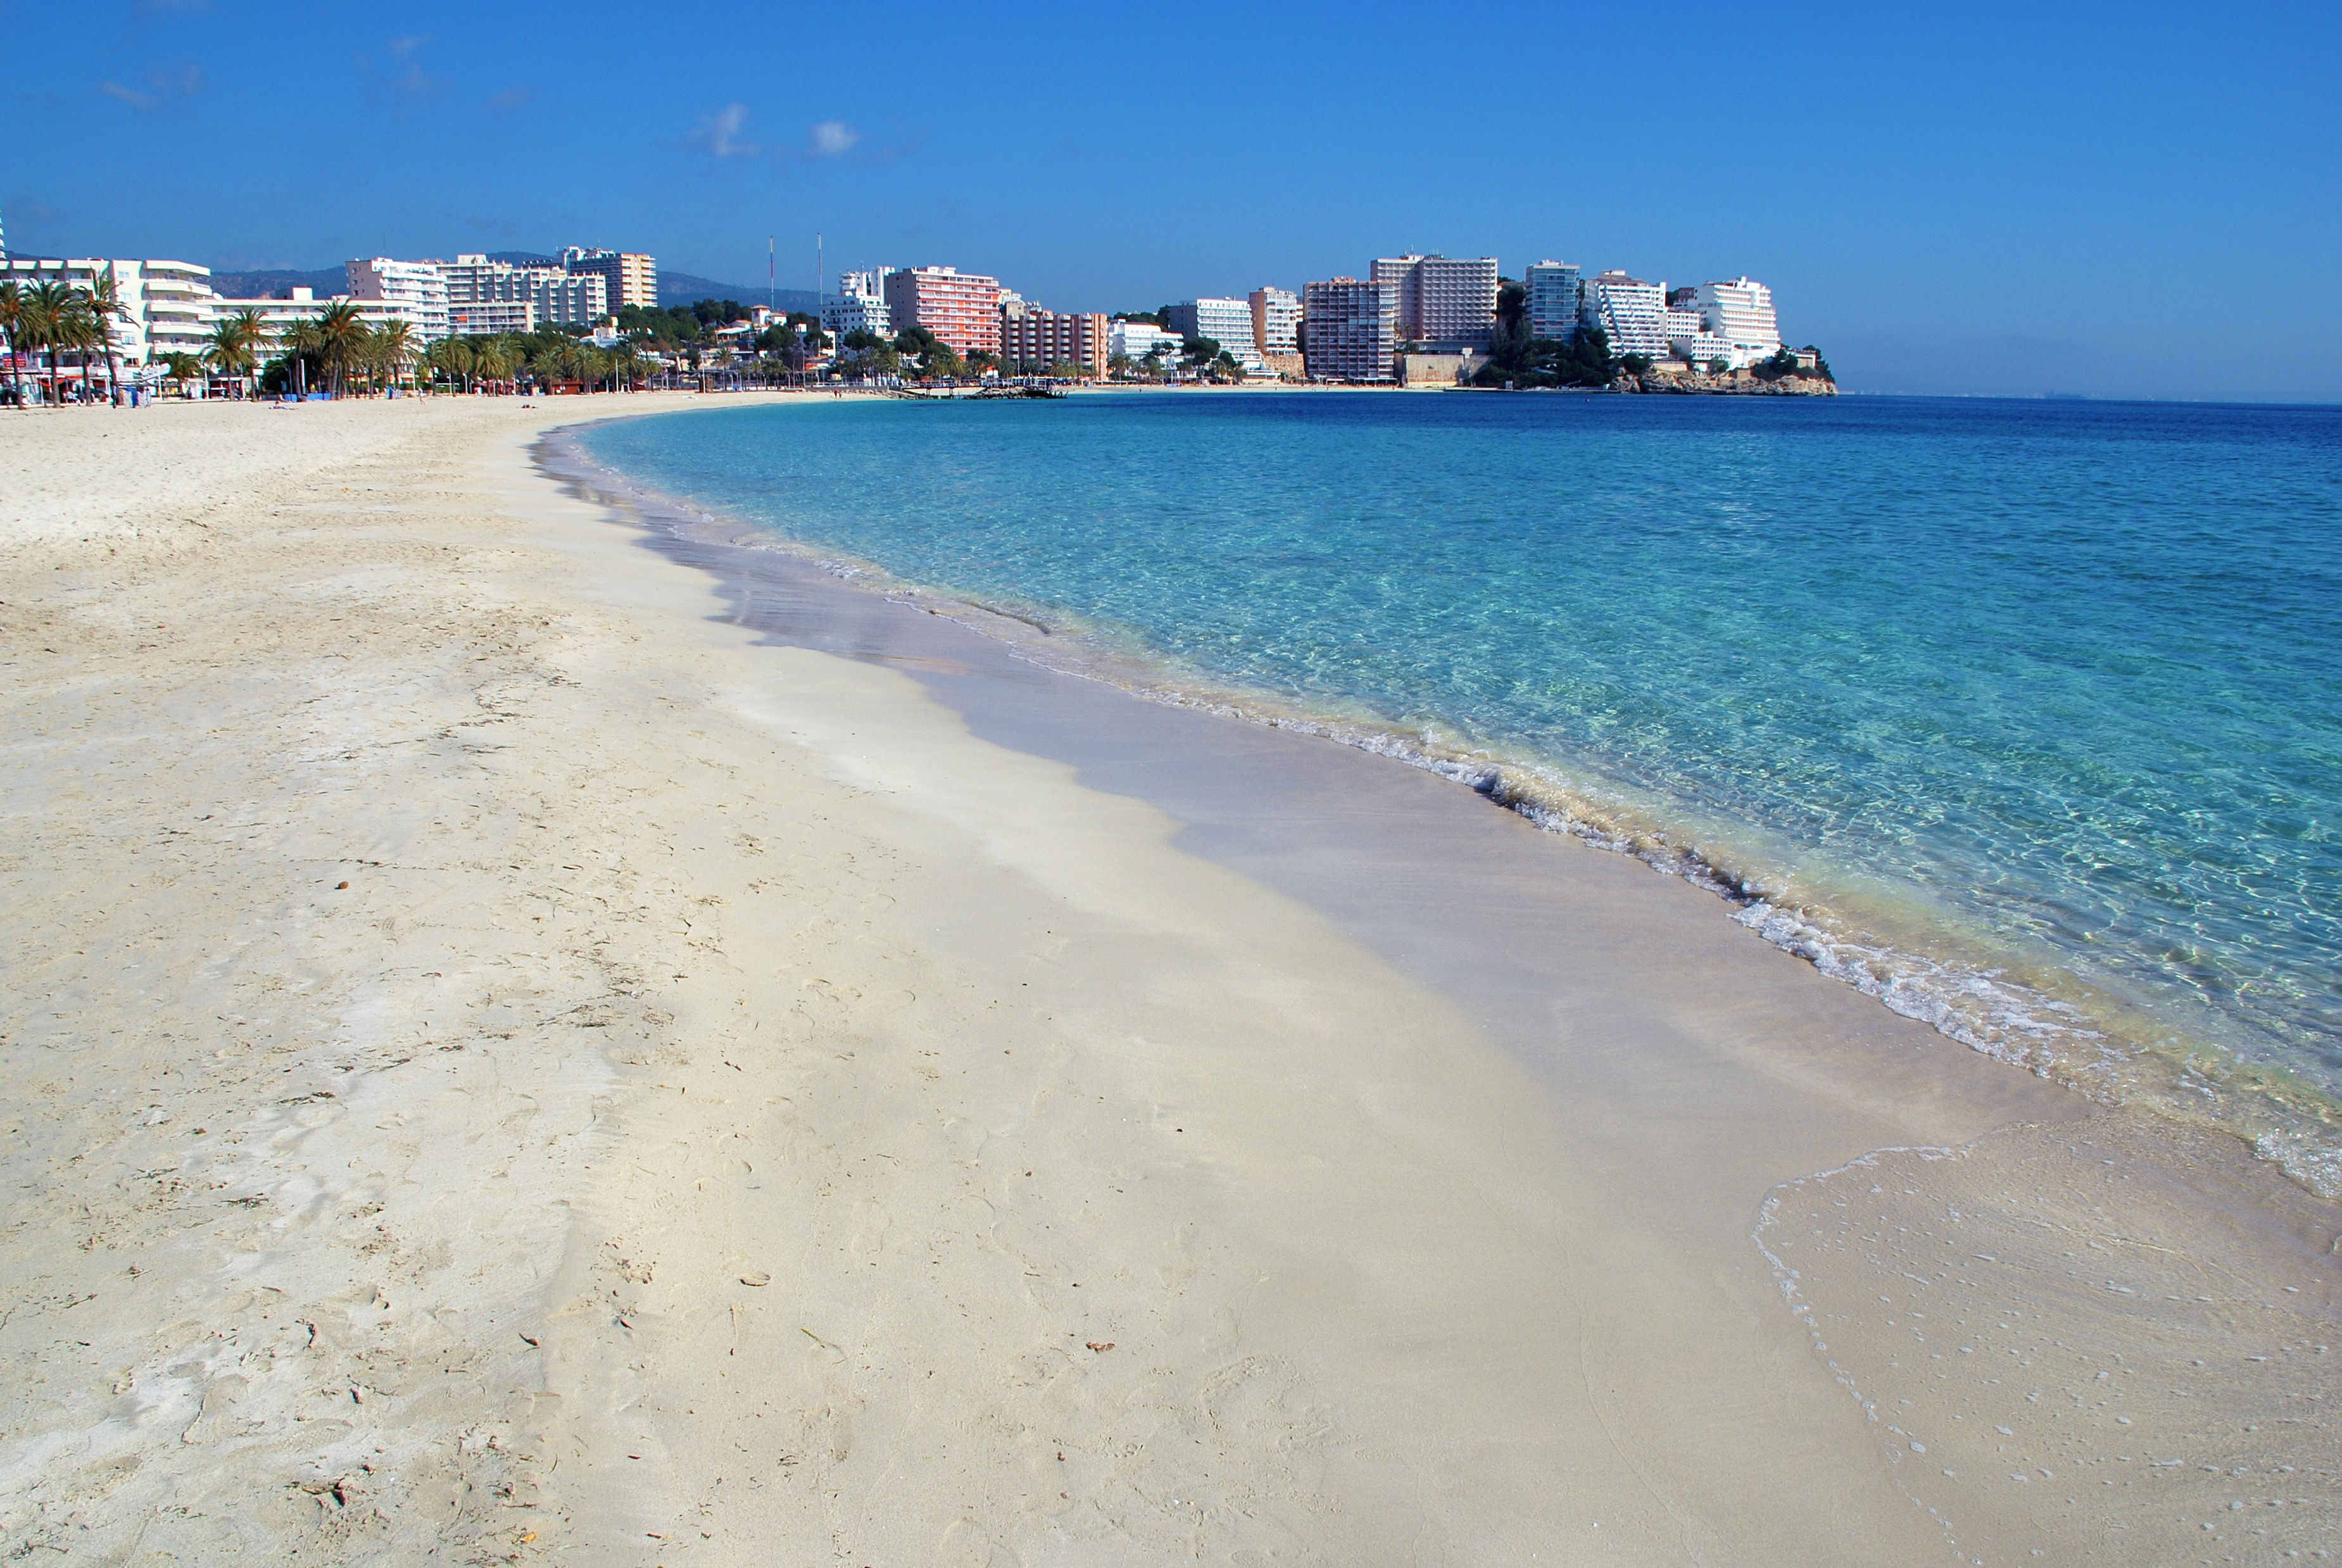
<point x="1034" y="339"/>
<point x="961" y="308"/>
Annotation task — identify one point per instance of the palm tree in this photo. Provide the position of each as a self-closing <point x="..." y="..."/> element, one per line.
<point x="182" y="368"/>
<point x="234" y="348"/>
<point x="394" y="348"/>
<point x="448" y="359"/>
<point x="341" y="340"/>
<point x="299" y="337"/>
<point x="72" y="326"/>
<point x="103" y="301"/>
<point x="498" y="359"/>
<point x="624" y="359"/>
<point x="11" y="326"/>
<point x="42" y="312"/>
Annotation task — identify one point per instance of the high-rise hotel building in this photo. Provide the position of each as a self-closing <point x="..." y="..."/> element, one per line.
<point x="1741" y="313"/>
<point x="1349" y="329"/>
<point x="1557" y="295"/>
<point x="962" y="309"/>
<point x="1632" y="313"/>
<point x="488" y="296"/>
<point x="418" y="288"/>
<point x="627" y="277"/>
<point x="858" y="305"/>
<point x="1276" y="319"/>
<point x="1033" y="339"/>
<point x="1226" y="322"/>
<point x="1442" y="300"/>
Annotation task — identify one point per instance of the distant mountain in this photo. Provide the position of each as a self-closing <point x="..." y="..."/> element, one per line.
<point x="683" y="288"/>
<point x="326" y="282"/>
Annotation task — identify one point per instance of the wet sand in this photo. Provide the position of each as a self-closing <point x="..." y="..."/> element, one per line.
<point x="786" y="1077"/>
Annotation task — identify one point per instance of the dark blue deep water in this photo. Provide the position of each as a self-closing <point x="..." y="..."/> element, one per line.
<point x="2028" y="716"/>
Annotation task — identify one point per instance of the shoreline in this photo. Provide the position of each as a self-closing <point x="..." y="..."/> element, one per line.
<point x="779" y="1069"/>
<point x="2035" y="1011"/>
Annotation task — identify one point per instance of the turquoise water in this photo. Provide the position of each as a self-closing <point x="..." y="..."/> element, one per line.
<point x="2024" y="716"/>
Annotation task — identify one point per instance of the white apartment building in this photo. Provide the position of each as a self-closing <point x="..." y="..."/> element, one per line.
<point x="1701" y="349"/>
<point x="1137" y="339"/>
<point x="169" y="302"/>
<point x="1226" y="322"/>
<point x="1741" y="313"/>
<point x="1452" y="303"/>
<point x="560" y="296"/>
<point x="1276" y="320"/>
<point x="1632" y="313"/>
<point x="858" y="305"/>
<point x="418" y="288"/>
<point x="1682" y="323"/>
<point x="1556" y="295"/>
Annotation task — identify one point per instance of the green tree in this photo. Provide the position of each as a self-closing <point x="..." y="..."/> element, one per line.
<point x="300" y="340"/>
<point x="182" y="368"/>
<point x="101" y="300"/>
<point x="234" y="346"/>
<point x="341" y="342"/>
<point x="396" y="349"/>
<point x="12" y="329"/>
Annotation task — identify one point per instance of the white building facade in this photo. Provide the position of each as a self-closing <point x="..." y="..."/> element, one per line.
<point x="1276" y="320"/>
<point x="418" y="288"/>
<point x="167" y="303"/>
<point x="1740" y="312"/>
<point x="1226" y="322"/>
<point x="858" y="305"/>
<point x="1135" y="340"/>
<point x="1556" y="295"/>
<point x="1631" y="313"/>
<point x="557" y="296"/>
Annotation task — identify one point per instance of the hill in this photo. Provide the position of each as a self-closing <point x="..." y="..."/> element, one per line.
<point x="689" y="288"/>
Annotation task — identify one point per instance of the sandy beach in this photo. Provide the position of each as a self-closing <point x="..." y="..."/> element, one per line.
<point x="528" y="1041"/>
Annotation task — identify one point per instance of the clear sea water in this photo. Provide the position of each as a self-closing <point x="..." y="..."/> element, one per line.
<point x="2024" y="716"/>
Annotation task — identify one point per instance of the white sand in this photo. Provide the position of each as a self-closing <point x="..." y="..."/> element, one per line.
<point x="732" y="1114"/>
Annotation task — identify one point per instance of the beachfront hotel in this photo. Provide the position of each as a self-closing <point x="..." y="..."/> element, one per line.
<point x="962" y="309"/>
<point x="420" y="288"/>
<point x="1135" y="340"/>
<point x="1032" y="338"/>
<point x="168" y="303"/>
<point x="1276" y="320"/>
<point x="858" y="305"/>
<point x="1226" y="322"/>
<point x="1632" y="313"/>
<point x="1556" y="295"/>
<point x="1450" y="302"/>
<point x="628" y="277"/>
<point x="554" y="295"/>
<point x="1740" y="314"/>
<point x="1349" y="329"/>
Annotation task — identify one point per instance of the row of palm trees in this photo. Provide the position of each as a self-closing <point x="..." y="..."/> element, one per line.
<point x="54" y="319"/>
<point x="501" y="360"/>
<point x="351" y="354"/>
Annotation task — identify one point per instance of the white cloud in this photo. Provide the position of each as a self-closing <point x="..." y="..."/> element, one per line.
<point x="832" y="138"/>
<point x="720" y="133"/>
<point x="163" y="85"/>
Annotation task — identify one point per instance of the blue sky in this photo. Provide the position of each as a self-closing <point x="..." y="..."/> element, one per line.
<point x="2132" y="200"/>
